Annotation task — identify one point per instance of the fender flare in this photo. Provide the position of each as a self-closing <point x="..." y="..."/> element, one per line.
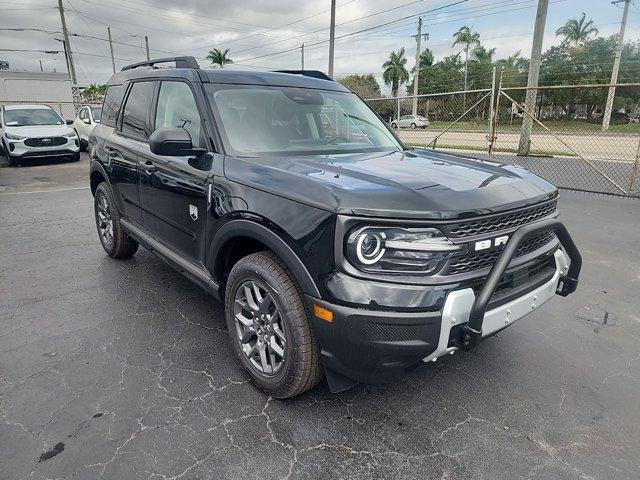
<point x="251" y="229"/>
<point x="96" y="166"/>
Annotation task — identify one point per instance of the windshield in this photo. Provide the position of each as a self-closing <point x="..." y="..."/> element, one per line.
<point x="96" y="112"/>
<point x="31" y="116"/>
<point x="258" y="119"/>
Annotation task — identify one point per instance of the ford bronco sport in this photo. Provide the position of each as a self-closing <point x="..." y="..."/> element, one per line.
<point x="337" y="250"/>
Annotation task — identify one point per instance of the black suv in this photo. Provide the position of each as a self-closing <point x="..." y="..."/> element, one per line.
<point x="337" y="250"/>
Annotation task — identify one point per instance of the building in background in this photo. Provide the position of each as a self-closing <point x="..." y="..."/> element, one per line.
<point x="53" y="89"/>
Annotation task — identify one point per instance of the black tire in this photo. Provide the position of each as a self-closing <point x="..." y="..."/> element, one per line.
<point x="394" y="125"/>
<point x="413" y="125"/>
<point x="11" y="160"/>
<point x="300" y="369"/>
<point x="118" y="244"/>
<point x="82" y="143"/>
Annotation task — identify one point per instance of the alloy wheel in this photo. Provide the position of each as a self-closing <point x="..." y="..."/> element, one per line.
<point x="259" y="327"/>
<point x="104" y="220"/>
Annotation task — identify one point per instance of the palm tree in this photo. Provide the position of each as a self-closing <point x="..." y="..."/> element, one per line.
<point x="466" y="37"/>
<point x="482" y="55"/>
<point x="511" y="61"/>
<point x="395" y="73"/>
<point x="218" y="57"/>
<point x="577" y="31"/>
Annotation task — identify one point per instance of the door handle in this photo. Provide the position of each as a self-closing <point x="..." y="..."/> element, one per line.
<point x="149" y="167"/>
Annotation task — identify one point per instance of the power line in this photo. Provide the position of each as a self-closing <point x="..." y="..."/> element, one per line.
<point x="363" y="30"/>
<point x="344" y="23"/>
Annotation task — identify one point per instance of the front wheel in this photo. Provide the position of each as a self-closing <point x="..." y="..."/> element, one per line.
<point x="413" y="125"/>
<point x="113" y="238"/>
<point x="11" y="160"/>
<point x="269" y="326"/>
<point x="394" y="125"/>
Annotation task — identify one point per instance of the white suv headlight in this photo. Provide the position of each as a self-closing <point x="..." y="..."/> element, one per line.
<point x="11" y="136"/>
<point x="70" y="135"/>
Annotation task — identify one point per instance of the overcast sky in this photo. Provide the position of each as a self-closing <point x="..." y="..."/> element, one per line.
<point x="267" y="34"/>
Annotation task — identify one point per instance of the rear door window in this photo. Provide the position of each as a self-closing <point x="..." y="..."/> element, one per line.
<point x="135" y="117"/>
<point x="112" y="104"/>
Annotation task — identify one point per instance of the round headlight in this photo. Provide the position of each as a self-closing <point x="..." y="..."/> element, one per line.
<point x="369" y="247"/>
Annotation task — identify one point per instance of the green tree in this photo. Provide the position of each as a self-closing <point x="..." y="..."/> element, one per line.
<point x="395" y="71"/>
<point x="514" y="70"/>
<point x="218" y="57"/>
<point x="480" y="67"/>
<point x="482" y="55"/>
<point x="426" y="60"/>
<point x="94" y="92"/>
<point x="465" y="37"/>
<point x="442" y="76"/>
<point x="364" y="85"/>
<point x="577" y="30"/>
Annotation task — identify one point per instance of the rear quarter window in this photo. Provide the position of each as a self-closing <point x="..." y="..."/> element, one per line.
<point x="112" y="104"/>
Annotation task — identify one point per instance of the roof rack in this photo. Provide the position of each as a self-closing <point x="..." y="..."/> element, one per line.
<point x="181" y="62"/>
<point x="307" y="73"/>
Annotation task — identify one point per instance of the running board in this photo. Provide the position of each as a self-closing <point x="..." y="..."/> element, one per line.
<point x="193" y="272"/>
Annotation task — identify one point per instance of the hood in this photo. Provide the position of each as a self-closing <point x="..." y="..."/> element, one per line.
<point x="39" y="130"/>
<point x="410" y="184"/>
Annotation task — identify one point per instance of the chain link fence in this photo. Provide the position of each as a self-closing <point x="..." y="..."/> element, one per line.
<point x="560" y="138"/>
<point x="66" y="105"/>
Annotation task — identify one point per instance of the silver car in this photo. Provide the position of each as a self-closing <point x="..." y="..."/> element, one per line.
<point x="410" y="121"/>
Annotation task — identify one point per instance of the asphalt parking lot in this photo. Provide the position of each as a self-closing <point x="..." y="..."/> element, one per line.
<point x="122" y="369"/>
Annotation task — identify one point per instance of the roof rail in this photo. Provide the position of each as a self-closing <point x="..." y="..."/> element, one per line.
<point x="307" y="73"/>
<point x="181" y="62"/>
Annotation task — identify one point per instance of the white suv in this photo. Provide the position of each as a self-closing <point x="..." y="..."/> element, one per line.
<point x="88" y="117"/>
<point x="28" y="131"/>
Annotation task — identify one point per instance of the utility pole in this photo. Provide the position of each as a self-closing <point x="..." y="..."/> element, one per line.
<point x="113" y="61"/>
<point x="415" y="76"/>
<point x="332" y="36"/>
<point x="67" y="46"/>
<point x="302" y="56"/>
<point x="532" y="82"/>
<point x="616" y="66"/>
<point x="146" y="44"/>
<point x="40" y="65"/>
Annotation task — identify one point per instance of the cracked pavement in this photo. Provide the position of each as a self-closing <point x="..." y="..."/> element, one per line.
<point x="122" y="369"/>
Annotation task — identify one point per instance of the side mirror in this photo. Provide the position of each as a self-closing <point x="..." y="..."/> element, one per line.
<point x="69" y="122"/>
<point x="173" y="142"/>
<point x="87" y="121"/>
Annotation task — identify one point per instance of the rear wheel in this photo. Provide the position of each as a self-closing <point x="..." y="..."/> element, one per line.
<point x="394" y="125"/>
<point x="113" y="238"/>
<point x="270" y="328"/>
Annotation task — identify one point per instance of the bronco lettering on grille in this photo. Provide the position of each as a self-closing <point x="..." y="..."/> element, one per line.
<point x="496" y="242"/>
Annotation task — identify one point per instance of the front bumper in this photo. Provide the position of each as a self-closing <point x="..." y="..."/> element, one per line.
<point x="18" y="149"/>
<point x="379" y="346"/>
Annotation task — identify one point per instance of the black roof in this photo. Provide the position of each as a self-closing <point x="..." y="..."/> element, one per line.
<point x="233" y="77"/>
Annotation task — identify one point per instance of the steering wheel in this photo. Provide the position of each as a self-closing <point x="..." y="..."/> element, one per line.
<point x="335" y="139"/>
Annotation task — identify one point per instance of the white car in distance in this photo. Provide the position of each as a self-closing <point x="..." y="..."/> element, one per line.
<point x="410" y="121"/>
<point x="35" y="131"/>
<point x="86" y="120"/>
